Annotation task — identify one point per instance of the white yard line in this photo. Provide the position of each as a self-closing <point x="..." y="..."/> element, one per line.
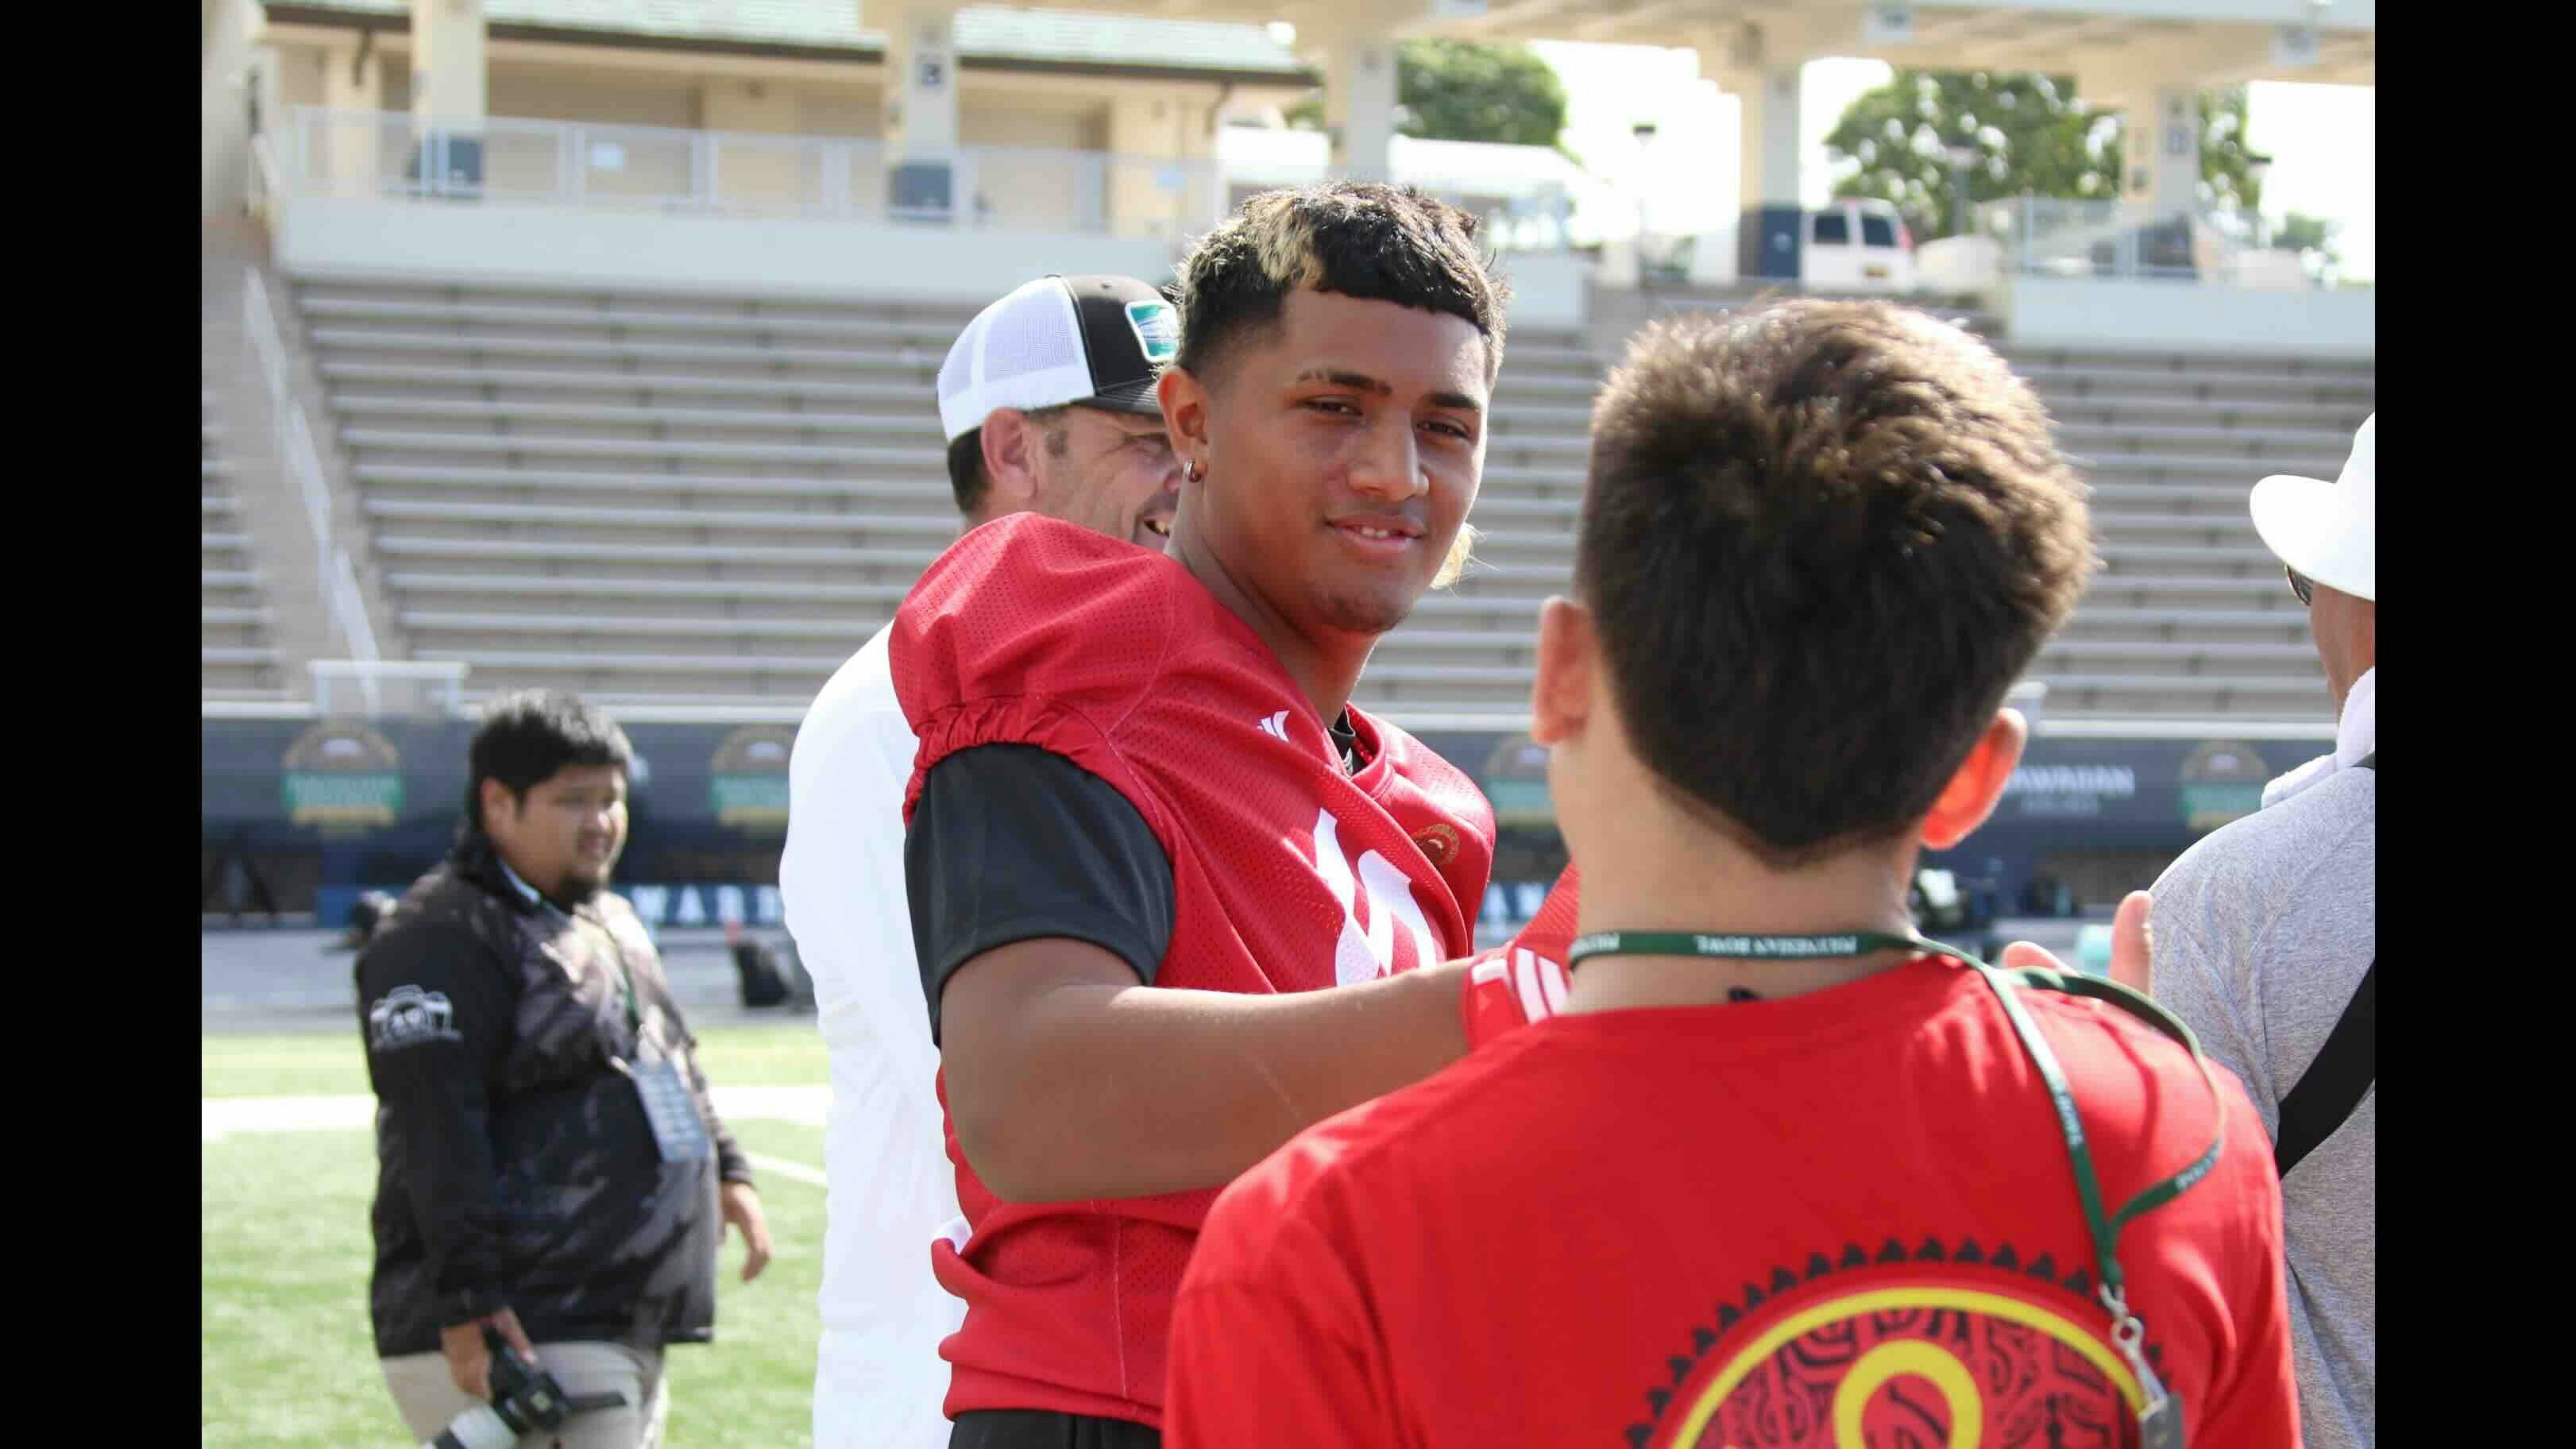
<point x="795" y="1170"/>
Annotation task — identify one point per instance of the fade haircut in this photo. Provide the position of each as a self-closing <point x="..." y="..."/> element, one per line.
<point x="1358" y="238"/>
<point x="1820" y="540"/>
<point x="529" y="734"/>
<point x="966" y="476"/>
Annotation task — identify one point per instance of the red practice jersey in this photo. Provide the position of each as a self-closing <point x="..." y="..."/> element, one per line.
<point x="1288" y="874"/>
<point x="1841" y="1218"/>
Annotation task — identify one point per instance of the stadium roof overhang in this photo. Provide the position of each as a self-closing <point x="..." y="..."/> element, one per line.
<point x="1131" y="41"/>
<point x="2204" y="42"/>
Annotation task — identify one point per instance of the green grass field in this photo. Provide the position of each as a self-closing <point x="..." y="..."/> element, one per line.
<point x="285" y="1356"/>
<point x="329" y="1063"/>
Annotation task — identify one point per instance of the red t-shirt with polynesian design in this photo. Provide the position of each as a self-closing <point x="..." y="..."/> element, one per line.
<point x="1841" y="1218"/>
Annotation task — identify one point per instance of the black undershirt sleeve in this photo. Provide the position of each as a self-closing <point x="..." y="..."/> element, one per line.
<point x="1012" y="842"/>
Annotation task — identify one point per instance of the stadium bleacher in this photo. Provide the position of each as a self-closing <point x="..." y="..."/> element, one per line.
<point x="660" y="500"/>
<point x="2190" y="614"/>
<point x="663" y="500"/>
<point x="237" y="659"/>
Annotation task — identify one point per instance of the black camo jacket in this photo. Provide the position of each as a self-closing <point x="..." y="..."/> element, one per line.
<point x="515" y="1164"/>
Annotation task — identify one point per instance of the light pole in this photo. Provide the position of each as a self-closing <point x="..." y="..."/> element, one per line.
<point x="2256" y="168"/>
<point x="1961" y="158"/>
<point x="1644" y="131"/>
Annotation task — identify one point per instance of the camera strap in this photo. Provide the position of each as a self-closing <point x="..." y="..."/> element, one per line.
<point x="2159" y="1412"/>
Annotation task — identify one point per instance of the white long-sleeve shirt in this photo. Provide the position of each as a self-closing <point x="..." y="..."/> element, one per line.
<point x="878" y="1380"/>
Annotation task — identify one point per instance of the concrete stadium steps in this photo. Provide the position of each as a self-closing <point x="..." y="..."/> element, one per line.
<point x="604" y="355"/>
<point x="432" y="407"/>
<point x="1569" y="388"/>
<point x="665" y="499"/>
<point x="675" y="499"/>
<point x="1532" y="356"/>
<point x="497" y="311"/>
<point x="421" y="428"/>
<point x="237" y="657"/>
<point x="2225" y="379"/>
<point x="908" y="493"/>
<point x="2189" y="659"/>
<point x="793" y="678"/>
<point x="222" y="588"/>
<point x="225" y="552"/>
<point x="2128" y="695"/>
<point x="2128" y="529"/>
<point x="2095" y="621"/>
<point x="925" y="533"/>
<point x="609" y="582"/>
<point x="540" y="562"/>
<point x="2340" y="417"/>
<point x="2182" y="448"/>
<point x="497" y="626"/>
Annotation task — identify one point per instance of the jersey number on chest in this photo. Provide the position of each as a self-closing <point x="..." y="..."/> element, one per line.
<point x="1367" y="950"/>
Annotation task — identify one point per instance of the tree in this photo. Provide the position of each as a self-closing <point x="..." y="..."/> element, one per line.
<point x="2031" y="135"/>
<point x="1460" y="90"/>
<point x="2314" y="239"/>
<point x="2302" y="233"/>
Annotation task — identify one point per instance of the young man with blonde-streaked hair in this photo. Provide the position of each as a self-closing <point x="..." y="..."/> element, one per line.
<point x="1173" y="896"/>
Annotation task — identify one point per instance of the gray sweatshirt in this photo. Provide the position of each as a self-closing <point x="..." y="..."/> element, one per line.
<point x="2262" y="932"/>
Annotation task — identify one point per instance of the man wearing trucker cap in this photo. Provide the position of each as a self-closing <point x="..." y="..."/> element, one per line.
<point x="2266" y="938"/>
<point x="1047" y="403"/>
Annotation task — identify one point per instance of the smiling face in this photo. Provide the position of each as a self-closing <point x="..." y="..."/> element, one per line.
<point x="1340" y="451"/>
<point x="1111" y="472"/>
<point x="564" y="835"/>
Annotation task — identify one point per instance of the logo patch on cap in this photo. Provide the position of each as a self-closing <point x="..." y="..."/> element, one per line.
<point x="1157" y="327"/>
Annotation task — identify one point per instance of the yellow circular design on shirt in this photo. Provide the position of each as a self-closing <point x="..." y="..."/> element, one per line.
<point x="1966" y="1400"/>
<point x="1863" y="1380"/>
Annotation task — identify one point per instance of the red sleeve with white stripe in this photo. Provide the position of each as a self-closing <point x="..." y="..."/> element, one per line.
<point x="1513" y="985"/>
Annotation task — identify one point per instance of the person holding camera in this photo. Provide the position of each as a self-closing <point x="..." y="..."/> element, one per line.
<point x="552" y="1178"/>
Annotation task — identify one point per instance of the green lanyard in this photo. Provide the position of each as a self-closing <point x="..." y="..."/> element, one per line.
<point x="1740" y="948"/>
<point x="2127" y="1331"/>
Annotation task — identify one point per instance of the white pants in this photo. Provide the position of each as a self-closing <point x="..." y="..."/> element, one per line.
<point x="428" y="1397"/>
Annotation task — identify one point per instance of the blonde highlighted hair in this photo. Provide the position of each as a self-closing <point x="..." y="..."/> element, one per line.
<point x="1357" y="239"/>
<point x="1462" y="552"/>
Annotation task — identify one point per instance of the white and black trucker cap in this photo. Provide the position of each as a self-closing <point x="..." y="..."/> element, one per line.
<point x="1099" y="341"/>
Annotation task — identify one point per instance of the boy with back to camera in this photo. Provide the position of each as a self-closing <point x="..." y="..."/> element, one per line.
<point x="1781" y="1173"/>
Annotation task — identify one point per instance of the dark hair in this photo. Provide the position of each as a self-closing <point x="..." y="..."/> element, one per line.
<point x="529" y="734"/>
<point x="1357" y="238"/>
<point x="966" y="476"/>
<point x="1820" y="540"/>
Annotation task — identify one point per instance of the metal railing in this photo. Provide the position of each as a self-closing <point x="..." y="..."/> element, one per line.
<point x="2046" y="237"/>
<point x="263" y="189"/>
<point x="1515" y="216"/>
<point x="437" y="686"/>
<point x="335" y="577"/>
<point x="324" y="152"/>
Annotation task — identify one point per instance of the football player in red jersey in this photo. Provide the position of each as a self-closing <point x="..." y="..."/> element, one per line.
<point x="1781" y="1172"/>
<point x="1147" y="830"/>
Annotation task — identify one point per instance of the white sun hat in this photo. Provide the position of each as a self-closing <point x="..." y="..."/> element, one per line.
<point x="2324" y="529"/>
